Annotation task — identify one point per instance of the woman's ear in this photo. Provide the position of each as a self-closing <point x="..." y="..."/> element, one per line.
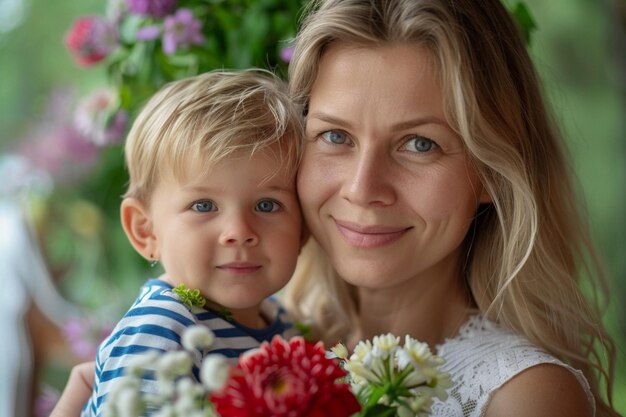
<point x="485" y="197"/>
<point x="137" y="225"/>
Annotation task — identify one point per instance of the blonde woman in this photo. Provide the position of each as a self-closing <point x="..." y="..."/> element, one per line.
<point x="441" y="205"/>
<point x="438" y="189"/>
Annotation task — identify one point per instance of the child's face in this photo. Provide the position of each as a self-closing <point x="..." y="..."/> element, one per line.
<point x="233" y="232"/>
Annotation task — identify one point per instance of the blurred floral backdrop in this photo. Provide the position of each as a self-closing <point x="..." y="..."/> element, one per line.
<point x="75" y="73"/>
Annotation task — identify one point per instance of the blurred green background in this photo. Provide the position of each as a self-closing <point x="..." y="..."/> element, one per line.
<point x="579" y="48"/>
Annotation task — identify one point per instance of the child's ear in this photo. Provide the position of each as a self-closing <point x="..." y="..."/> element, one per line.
<point x="137" y="225"/>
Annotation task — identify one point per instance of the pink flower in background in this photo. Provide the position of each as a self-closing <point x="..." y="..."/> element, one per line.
<point x="91" y="39"/>
<point x="52" y="141"/>
<point x="151" y="8"/>
<point x="98" y="118"/>
<point x="45" y="401"/>
<point x="180" y="31"/>
<point x="85" y="334"/>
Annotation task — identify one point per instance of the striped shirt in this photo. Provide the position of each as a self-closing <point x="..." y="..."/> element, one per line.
<point x="157" y="320"/>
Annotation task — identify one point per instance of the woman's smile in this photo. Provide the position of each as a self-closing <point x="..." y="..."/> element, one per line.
<point x="369" y="236"/>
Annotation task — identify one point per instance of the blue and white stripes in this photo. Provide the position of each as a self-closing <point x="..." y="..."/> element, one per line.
<point x="157" y="320"/>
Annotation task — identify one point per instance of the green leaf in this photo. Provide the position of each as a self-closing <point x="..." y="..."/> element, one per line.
<point x="189" y="297"/>
<point x="524" y="19"/>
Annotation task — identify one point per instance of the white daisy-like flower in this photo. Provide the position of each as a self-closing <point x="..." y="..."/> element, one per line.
<point x="385" y="345"/>
<point x="173" y="364"/>
<point x="362" y="352"/>
<point x="214" y="372"/>
<point x="413" y="353"/>
<point x="197" y="338"/>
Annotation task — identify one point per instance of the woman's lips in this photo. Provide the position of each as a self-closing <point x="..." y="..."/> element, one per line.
<point x="368" y="237"/>
<point x="239" y="268"/>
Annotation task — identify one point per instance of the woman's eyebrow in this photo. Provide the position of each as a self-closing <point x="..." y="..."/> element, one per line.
<point x="326" y="117"/>
<point x="407" y="124"/>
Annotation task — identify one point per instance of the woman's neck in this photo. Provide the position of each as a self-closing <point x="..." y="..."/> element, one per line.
<point x="428" y="308"/>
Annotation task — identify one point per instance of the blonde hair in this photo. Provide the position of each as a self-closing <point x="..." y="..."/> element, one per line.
<point x="207" y="118"/>
<point x="529" y="248"/>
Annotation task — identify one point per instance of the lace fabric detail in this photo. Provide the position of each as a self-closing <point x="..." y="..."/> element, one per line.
<point x="480" y="359"/>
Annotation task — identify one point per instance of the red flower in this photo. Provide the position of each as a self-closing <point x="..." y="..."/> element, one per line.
<point x="91" y="39"/>
<point x="286" y="379"/>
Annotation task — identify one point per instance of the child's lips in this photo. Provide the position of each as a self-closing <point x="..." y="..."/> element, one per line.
<point x="239" y="268"/>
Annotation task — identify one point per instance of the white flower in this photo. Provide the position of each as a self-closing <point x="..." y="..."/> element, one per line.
<point x="358" y="369"/>
<point x="413" y="353"/>
<point x="124" y="399"/>
<point x="173" y="364"/>
<point x="197" y="338"/>
<point x="129" y="403"/>
<point x="362" y="352"/>
<point x="139" y="363"/>
<point x="215" y="371"/>
<point x="340" y="351"/>
<point x="385" y="345"/>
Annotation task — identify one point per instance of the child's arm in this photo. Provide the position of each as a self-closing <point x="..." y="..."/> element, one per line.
<point x="76" y="392"/>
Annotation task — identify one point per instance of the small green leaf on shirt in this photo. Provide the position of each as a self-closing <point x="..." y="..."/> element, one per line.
<point x="191" y="298"/>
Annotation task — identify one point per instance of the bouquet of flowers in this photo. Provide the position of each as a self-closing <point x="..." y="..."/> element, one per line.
<point x="283" y="379"/>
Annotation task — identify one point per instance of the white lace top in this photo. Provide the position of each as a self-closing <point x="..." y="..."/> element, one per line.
<point x="480" y="359"/>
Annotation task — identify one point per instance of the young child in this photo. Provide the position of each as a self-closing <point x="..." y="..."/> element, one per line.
<point x="212" y="162"/>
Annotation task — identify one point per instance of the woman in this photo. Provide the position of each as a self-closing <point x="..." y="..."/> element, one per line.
<point x="436" y="186"/>
<point x="438" y="190"/>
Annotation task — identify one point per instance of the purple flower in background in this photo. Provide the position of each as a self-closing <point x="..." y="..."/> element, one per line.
<point x="45" y="401"/>
<point x="85" y="334"/>
<point x="151" y="8"/>
<point x="286" y="54"/>
<point x="54" y="144"/>
<point x="148" y="33"/>
<point x="180" y="31"/>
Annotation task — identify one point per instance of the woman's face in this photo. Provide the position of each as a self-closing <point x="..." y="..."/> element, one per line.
<point x="385" y="183"/>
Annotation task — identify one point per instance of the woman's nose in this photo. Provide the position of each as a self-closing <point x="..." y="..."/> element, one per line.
<point x="238" y="231"/>
<point x="367" y="179"/>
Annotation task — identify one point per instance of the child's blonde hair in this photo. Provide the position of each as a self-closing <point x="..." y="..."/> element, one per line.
<point x="207" y="118"/>
<point x="526" y="250"/>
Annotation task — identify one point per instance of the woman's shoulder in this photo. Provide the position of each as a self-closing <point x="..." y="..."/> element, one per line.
<point x="542" y="390"/>
<point x="485" y="358"/>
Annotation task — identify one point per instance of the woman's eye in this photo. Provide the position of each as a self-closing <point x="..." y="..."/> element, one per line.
<point x="267" y="206"/>
<point x="335" y="137"/>
<point x="419" y="144"/>
<point x="204" y="206"/>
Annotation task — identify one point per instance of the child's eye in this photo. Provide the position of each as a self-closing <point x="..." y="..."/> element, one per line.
<point x="267" y="206"/>
<point x="204" y="206"/>
<point x="335" y="137"/>
<point x="419" y="144"/>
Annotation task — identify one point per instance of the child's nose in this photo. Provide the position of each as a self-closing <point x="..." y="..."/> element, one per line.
<point x="238" y="232"/>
